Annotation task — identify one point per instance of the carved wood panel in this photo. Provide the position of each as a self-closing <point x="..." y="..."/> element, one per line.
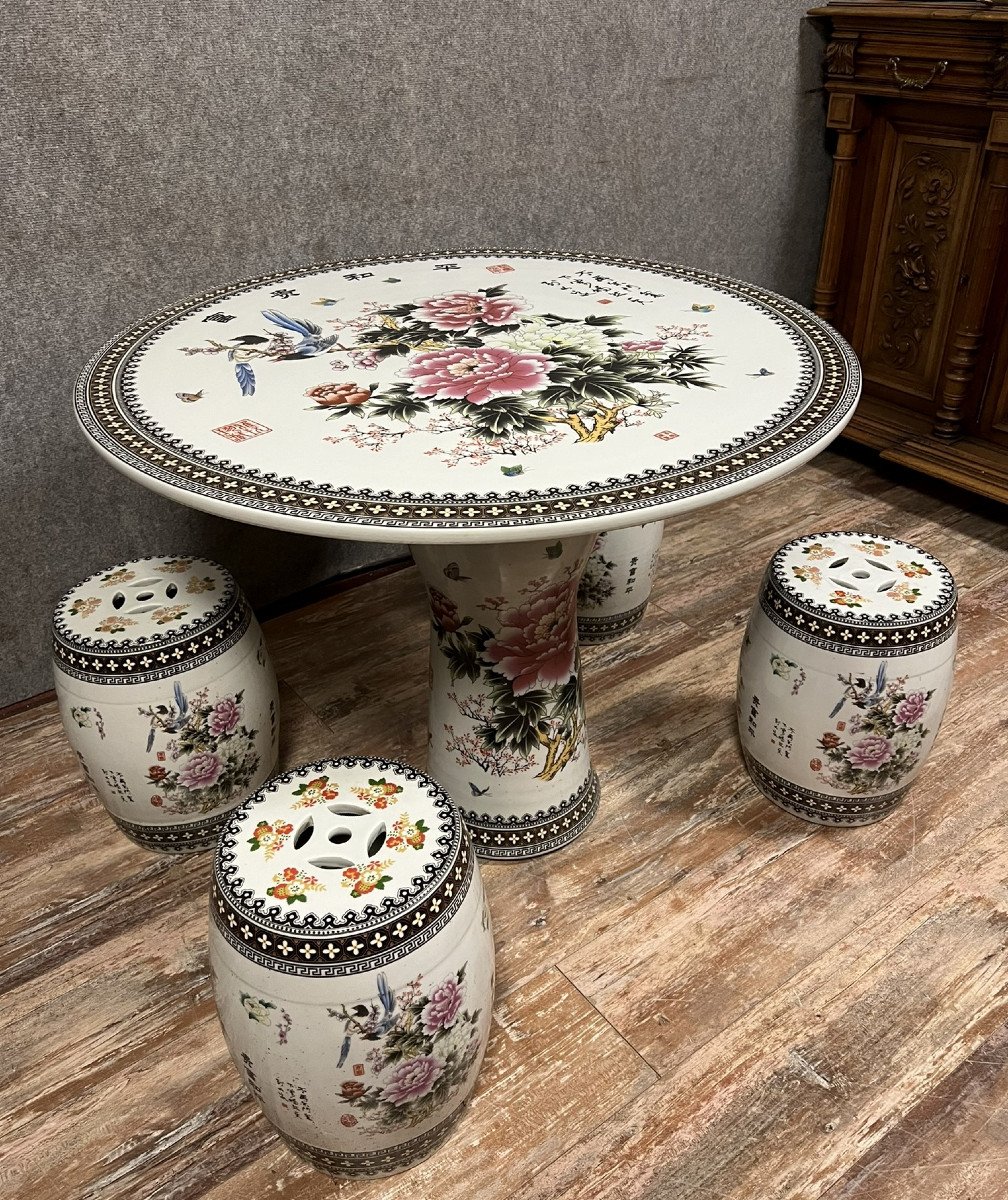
<point x="930" y="190"/>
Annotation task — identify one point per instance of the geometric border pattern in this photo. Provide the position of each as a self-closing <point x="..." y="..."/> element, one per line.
<point x="829" y="391"/>
<point x="176" y="839"/>
<point x="370" y="1163"/>
<point x="531" y="836"/>
<point x="822" y="807"/>
<point x="146" y="660"/>
<point x="594" y="631"/>
<point x="865" y="636"/>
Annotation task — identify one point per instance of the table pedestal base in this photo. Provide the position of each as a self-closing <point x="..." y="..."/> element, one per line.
<point x="506" y="727"/>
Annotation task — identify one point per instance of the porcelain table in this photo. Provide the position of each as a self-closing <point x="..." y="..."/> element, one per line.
<point x="496" y="411"/>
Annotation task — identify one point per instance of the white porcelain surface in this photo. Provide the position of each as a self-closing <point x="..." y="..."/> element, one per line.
<point x="457" y="399"/>
<point x="845" y="672"/>
<point x="617" y="581"/>
<point x="352" y="961"/>
<point x="507" y="724"/>
<point x="167" y="696"/>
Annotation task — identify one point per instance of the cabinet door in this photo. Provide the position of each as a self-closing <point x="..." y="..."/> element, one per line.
<point x="921" y="174"/>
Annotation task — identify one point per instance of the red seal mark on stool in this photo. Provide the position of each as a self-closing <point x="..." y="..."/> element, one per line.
<point x="241" y="431"/>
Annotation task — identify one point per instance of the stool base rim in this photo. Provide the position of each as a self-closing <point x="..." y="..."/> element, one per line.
<point x="822" y="808"/>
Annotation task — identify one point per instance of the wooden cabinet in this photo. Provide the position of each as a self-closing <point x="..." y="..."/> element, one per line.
<point x="914" y="261"/>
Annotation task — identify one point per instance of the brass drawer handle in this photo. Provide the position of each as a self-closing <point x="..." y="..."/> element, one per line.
<point x="919" y="82"/>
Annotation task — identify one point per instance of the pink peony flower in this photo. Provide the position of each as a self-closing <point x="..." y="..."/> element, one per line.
<point x="460" y="310"/>
<point x="201" y="771"/>
<point x="643" y="344"/>
<point x="536" y="642"/>
<point x="444" y="611"/>
<point x="870" y="752"/>
<point x="911" y="709"/>
<point x="442" y="1008"/>
<point x="223" y="718"/>
<point x="412" y="1079"/>
<point x="476" y="375"/>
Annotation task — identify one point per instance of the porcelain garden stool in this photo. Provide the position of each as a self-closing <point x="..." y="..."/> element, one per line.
<point x="167" y="696"/>
<point x="845" y="671"/>
<point x="617" y="582"/>
<point x="352" y="961"/>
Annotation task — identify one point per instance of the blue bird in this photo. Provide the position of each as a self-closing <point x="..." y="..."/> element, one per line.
<point x="312" y="342"/>
<point x="388" y="1000"/>
<point x="862" y="693"/>
<point x="344" y="1050"/>
<point x="166" y="718"/>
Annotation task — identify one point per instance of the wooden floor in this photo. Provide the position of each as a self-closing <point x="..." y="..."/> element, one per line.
<point x="702" y="999"/>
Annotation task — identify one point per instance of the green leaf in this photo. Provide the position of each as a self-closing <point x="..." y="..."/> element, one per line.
<point x="463" y="658"/>
<point x="397" y="406"/>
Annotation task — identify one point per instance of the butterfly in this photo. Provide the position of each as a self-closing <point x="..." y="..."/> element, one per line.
<point x="554" y="551"/>
<point x="190" y="397"/>
<point x="702" y="307"/>
<point x="325" y="302"/>
<point x="761" y="371"/>
<point x="391" y="279"/>
<point x="476" y="791"/>
<point x="519" y="470"/>
<point x="452" y="572"/>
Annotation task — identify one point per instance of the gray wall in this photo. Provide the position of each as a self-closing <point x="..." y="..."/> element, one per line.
<point x="150" y="152"/>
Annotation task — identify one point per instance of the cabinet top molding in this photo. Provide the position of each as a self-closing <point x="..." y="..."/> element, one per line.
<point x="995" y="11"/>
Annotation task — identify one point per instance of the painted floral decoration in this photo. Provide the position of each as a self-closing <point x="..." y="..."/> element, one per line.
<point x="256" y="1009"/>
<point x="882" y="739"/>
<point x="367" y="878"/>
<point x="121" y="576"/>
<point x="526" y="665"/>
<point x="293" y="885"/>
<point x="846" y="599"/>
<point x="211" y="750"/>
<point x="84" y="606"/>
<point x="913" y="570"/>
<point x="114" y="624"/>
<point x="195" y="585"/>
<point x="269" y="837"/>
<point x="904" y="592"/>
<point x="479" y="364"/>
<point x="177" y="566"/>
<point x="407" y="833"/>
<point x="818" y="551"/>
<point x="379" y="793"/>
<point x="168" y="613"/>
<point x="425" y="1044"/>
<point x="808" y="574"/>
<point x="875" y="549"/>
<point x="315" y="791"/>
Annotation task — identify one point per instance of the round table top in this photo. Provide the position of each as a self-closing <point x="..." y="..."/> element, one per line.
<point x="490" y="396"/>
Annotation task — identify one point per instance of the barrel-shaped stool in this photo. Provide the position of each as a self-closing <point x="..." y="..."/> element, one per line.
<point x="845" y="671"/>
<point x="167" y="696"/>
<point x="617" y="581"/>
<point x="352" y="961"/>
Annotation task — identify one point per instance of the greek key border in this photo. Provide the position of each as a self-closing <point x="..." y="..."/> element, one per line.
<point x="766" y="446"/>
<point x="496" y="837"/>
<point x="184" y="838"/>
<point x="822" y="807"/>
<point x="371" y="1163"/>
<point x="595" y="631"/>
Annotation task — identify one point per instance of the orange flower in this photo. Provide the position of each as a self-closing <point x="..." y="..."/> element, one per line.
<point x="290" y="873"/>
<point x="815" y="764"/>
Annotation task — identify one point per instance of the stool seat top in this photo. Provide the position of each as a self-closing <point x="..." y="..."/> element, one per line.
<point x="340" y="866"/>
<point x="860" y="593"/>
<point x="147" y="619"/>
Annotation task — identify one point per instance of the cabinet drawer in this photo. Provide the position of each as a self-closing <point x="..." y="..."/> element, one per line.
<point x="898" y="63"/>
